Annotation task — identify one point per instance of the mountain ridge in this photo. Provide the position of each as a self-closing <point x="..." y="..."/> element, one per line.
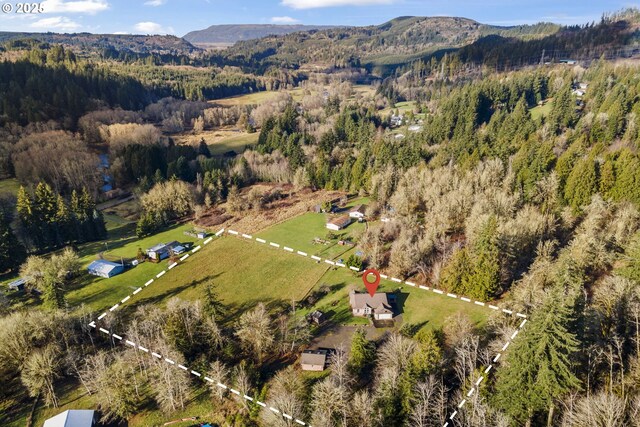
<point x="232" y="33"/>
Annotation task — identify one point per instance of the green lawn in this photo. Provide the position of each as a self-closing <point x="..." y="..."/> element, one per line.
<point x="541" y="110"/>
<point x="9" y="185"/>
<point x="244" y="273"/>
<point x="248" y="99"/>
<point x="299" y="232"/>
<point x="99" y="293"/>
<point x="418" y="306"/>
<point x="235" y="143"/>
<point x="403" y="107"/>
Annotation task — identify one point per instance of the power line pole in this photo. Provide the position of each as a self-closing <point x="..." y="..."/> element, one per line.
<point x="542" y="58"/>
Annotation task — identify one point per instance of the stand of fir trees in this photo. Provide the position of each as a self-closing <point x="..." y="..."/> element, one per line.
<point x="50" y="221"/>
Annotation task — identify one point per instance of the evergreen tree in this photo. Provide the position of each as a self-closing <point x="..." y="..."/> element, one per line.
<point x="539" y="369"/>
<point x="45" y="209"/>
<point x="203" y="148"/>
<point x="362" y="351"/>
<point x="428" y="355"/>
<point x="631" y="269"/>
<point x="484" y="281"/>
<point x="64" y="231"/>
<point x="24" y="207"/>
<point x="212" y="305"/>
<point x="582" y="183"/>
<point x="562" y="113"/>
<point x="12" y="253"/>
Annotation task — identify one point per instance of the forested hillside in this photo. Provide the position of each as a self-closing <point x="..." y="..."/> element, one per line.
<point x="383" y="49"/>
<point x="86" y="42"/>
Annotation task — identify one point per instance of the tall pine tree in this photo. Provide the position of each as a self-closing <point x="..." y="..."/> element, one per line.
<point x="539" y="369"/>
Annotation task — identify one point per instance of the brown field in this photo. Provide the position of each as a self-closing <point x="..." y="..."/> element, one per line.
<point x="251" y="221"/>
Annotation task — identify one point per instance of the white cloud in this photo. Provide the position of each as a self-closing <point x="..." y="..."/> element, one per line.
<point x="284" y="20"/>
<point x="312" y="4"/>
<point x="148" y="27"/>
<point x="155" y="2"/>
<point x="55" y="23"/>
<point x="90" y="7"/>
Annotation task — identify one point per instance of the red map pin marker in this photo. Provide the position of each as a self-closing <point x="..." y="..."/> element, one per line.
<point x="372" y="287"/>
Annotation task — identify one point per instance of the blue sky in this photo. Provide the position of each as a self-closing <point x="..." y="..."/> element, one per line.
<point x="181" y="16"/>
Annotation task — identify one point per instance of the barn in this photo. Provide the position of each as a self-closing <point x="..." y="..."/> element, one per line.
<point x="104" y="268"/>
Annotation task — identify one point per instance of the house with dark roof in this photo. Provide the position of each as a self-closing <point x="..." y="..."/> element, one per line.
<point x="313" y="360"/>
<point x="378" y="306"/>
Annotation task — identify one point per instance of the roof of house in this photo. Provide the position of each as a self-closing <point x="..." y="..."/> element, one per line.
<point x="317" y="314"/>
<point x="314" y="357"/>
<point x="19" y="282"/>
<point x="103" y="266"/>
<point x="379" y="302"/>
<point x="161" y="246"/>
<point x="340" y="221"/>
<point x="358" y="208"/>
<point x="71" y="418"/>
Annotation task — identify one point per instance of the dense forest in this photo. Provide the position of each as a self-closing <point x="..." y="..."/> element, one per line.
<point x="518" y="187"/>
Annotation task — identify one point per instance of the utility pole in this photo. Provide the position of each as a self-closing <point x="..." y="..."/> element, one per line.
<point x="542" y="58"/>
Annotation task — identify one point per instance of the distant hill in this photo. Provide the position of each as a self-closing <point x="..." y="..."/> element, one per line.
<point x="382" y="47"/>
<point x="229" y="34"/>
<point x="135" y="43"/>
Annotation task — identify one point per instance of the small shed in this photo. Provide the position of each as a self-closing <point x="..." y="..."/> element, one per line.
<point x="104" y="268"/>
<point x="179" y="249"/>
<point x="313" y="360"/>
<point x="339" y="223"/>
<point x="201" y="234"/>
<point x="17" y="285"/>
<point x="72" y="418"/>
<point x="318" y="317"/>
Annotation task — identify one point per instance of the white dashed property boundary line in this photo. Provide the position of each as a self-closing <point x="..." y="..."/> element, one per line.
<point x="199" y="375"/>
<point x="485" y="373"/>
<point x="383" y="276"/>
<point x="337" y="264"/>
<point x="157" y="276"/>
<point x="426" y="288"/>
<point x="169" y="361"/>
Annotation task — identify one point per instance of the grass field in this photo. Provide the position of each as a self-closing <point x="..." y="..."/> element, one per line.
<point x="418" y="307"/>
<point x="233" y="142"/>
<point x="220" y="140"/>
<point x="99" y="293"/>
<point x="297" y="93"/>
<point x="243" y="273"/>
<point x="9" y="185"/>
<point x="249" y="99"/>
<point x="541" y="110"/>
<point x="300" y="232"/>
